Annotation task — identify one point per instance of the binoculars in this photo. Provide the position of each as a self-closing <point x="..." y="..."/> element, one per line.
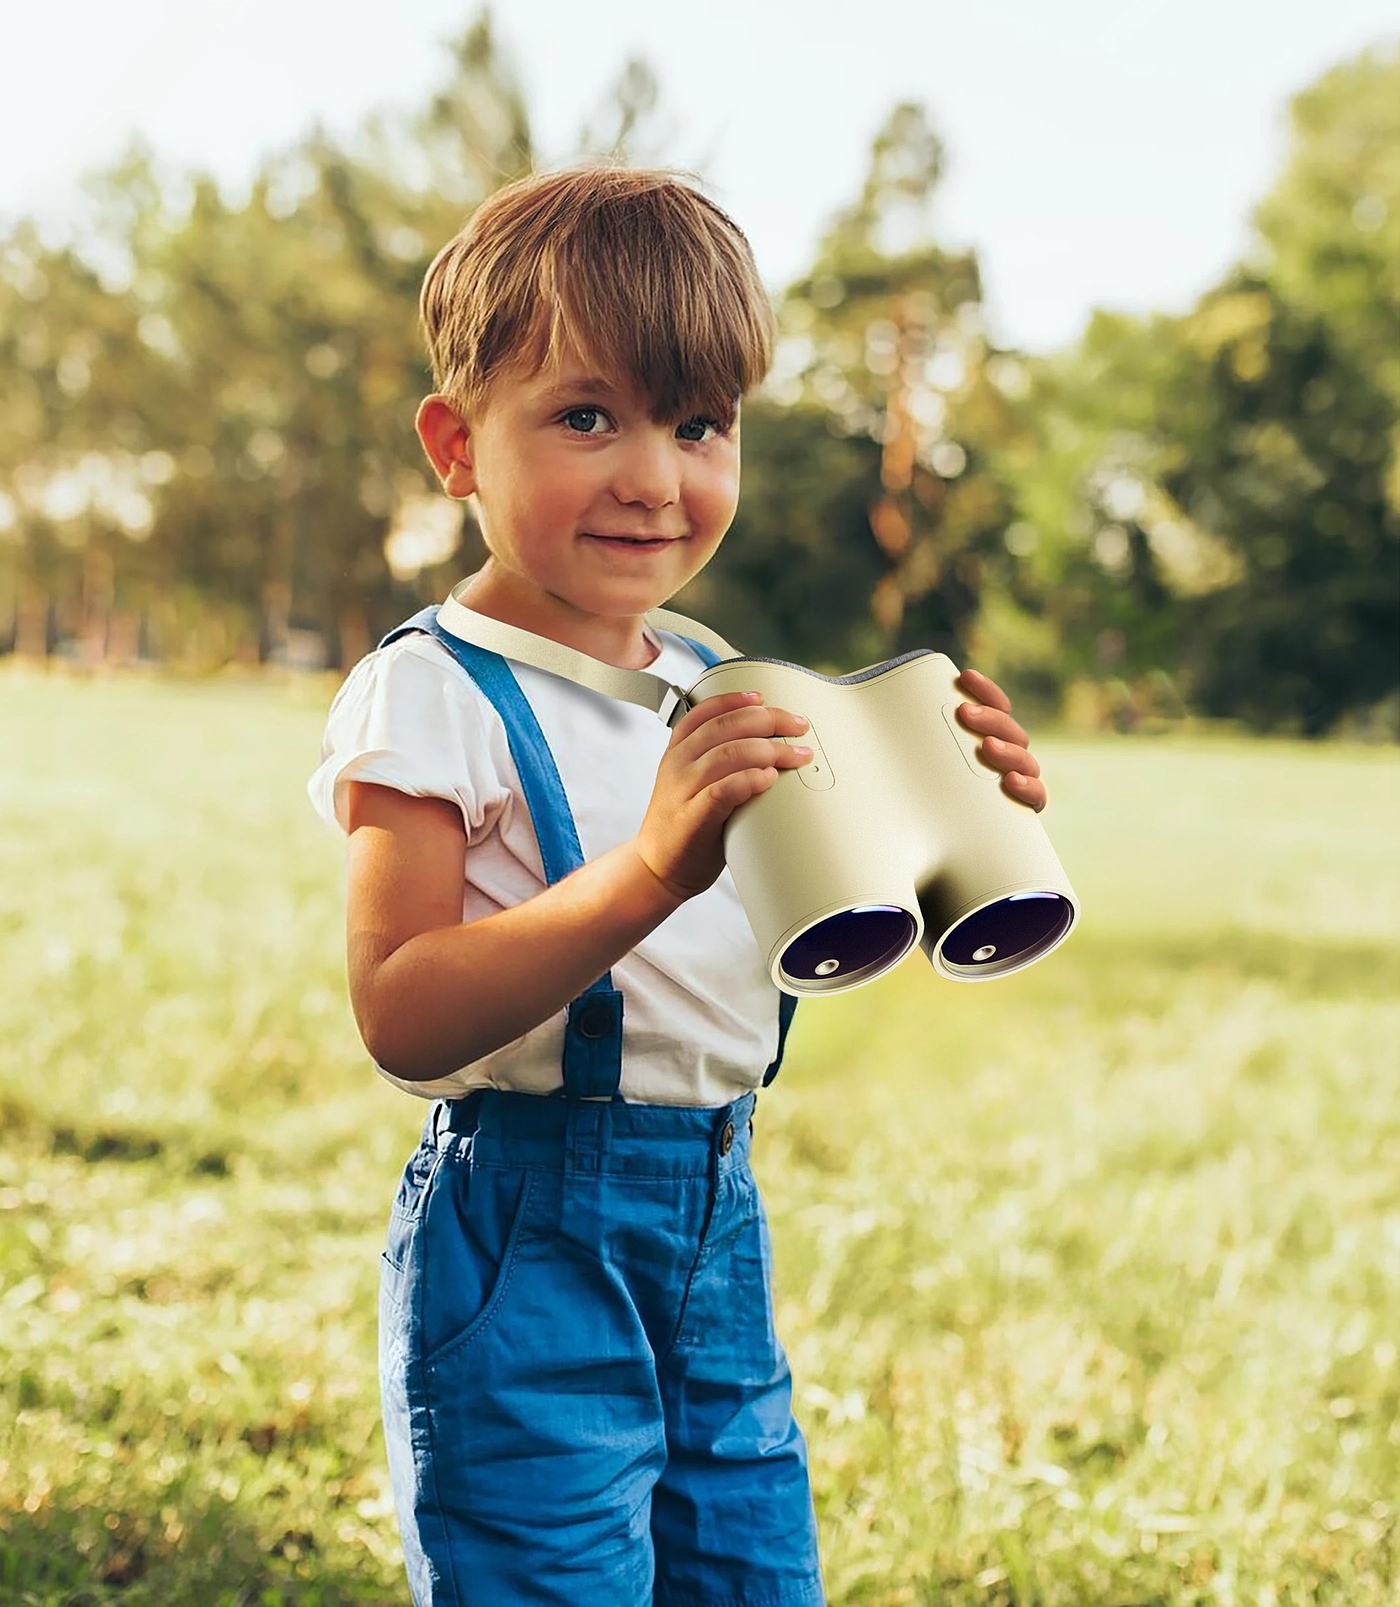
<point x="893" y="834"/>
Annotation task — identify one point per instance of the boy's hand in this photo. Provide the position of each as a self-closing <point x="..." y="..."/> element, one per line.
<point x="1004" y="743"/>
<point x="724" y="752"/>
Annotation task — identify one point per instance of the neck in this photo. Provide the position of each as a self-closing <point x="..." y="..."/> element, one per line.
<point x="617" y="639"/>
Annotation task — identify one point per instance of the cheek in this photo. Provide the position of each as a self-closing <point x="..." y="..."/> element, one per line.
<point x="716" y="495"/>
<point x="561" y="480"/>
<point x="544" y="491"/>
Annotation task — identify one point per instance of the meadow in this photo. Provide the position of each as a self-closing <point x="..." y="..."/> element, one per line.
<point x="1090" y="1278"/>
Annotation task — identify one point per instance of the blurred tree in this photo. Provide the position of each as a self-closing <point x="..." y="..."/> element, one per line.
<point x="1103" y="552"/>
<point x="1283" y="444"/>
<point x="891" y="329"/>
<point x="1209" y="505"/>
<point x="295" y="316"/>
<point x="75" y="420"/>
<point x="1332" y="222"/>
<point x="208" y="442"/>
<point x="623" y="127"/>
<point x="475" y="133"/>
<point x="254" y="377"/>
<point x="878" y="536"/>
<point x="795" y="574"/>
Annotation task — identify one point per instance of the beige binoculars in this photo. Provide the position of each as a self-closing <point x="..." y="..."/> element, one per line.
<point x="893" y="834"/>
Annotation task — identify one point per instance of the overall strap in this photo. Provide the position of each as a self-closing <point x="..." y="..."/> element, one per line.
<point x="706" y="655"/>
<point x="592" y="1063"/>
<point x="787" y="1009"/>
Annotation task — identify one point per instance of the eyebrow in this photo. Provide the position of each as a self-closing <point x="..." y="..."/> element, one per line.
<point x="591" y="385"/>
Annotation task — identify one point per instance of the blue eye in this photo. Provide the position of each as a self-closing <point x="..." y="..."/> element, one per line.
<point x="699" y="426"/>
<point x="585" y="420"/>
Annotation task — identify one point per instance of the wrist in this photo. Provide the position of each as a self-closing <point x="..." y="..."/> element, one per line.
<point x="651" y="888"/>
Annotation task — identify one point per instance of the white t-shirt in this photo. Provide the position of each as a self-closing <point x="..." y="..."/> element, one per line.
<point x="700" y="1014"/>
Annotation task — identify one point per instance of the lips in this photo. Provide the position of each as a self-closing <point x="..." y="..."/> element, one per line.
<point x="644" y="542"/>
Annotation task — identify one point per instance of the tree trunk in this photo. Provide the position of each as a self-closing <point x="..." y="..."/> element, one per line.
<point x="99" y="584"/>
<point x="32" y="621"/>
<point x="353" y="625"/>
<point x="123" y="638"/>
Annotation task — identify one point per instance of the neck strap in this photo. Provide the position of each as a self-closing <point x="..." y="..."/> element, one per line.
<point x="651" y="692"/>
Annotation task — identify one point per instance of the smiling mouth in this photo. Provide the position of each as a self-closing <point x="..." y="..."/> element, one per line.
<point x="644" y="542"/>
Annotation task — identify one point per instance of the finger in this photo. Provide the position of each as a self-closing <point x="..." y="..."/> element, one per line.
<point x="732" y="790"/>
<point x="984" y="689"/>
<point x="989" y="722"/>
<point x="749" y="720"/>
<point x="1025" y="789"/>
<point x="711" y="708"/>
<point x="1008" y="757"/>
<point x="749" y="753"/>
<point x="787" y="723"/>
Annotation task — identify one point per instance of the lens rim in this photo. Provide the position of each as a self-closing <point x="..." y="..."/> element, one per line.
<point x="839" y="981"/>
<point x="986" y="971"/>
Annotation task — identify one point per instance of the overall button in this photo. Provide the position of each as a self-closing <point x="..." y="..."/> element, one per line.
<point x="726" y="1138"/>
<point x="595" y="1019"/>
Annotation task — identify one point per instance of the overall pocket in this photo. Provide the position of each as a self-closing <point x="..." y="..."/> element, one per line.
<point x="396" y="1263"/>
<point x="467" y="1239"/>
<point x="413" y="1189"/>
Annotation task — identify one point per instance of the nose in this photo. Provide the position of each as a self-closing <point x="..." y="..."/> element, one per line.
<point x="647" y="471"/>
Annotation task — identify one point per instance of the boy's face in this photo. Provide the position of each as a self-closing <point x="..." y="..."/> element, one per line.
<point x="583" y="496"/>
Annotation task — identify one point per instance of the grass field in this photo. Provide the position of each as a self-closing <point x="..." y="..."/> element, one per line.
<point x="1090" y="1278"/>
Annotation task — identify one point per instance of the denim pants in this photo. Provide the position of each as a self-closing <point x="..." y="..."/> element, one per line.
<point x="584" y="1397"/>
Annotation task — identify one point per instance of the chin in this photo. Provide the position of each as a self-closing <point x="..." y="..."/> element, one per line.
<point x="626" y="597"/>
<point x="629" y="606"/>
<point x="601" y="601"/>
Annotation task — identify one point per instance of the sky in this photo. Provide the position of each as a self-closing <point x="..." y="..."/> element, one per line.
<point x="1101" y="153"/>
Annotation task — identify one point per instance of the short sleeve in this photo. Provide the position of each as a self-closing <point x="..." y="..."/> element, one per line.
<point x="407" y="718"/>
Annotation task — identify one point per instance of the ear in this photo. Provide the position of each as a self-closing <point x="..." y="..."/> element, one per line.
<point x="447" y="441"/>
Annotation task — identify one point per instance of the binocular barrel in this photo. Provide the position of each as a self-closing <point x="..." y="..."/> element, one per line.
<point x="894" y="833"/>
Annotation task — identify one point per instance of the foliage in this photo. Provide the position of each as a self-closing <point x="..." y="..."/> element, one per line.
<point x="796" y="572"/>
<point x="885" y="336"/>
<point x="1287" y="460"/>
<point x="1210" y="504"/>
<point x="1332" y="222"/>
<point x="207" y="450"/>
<point x="1089" y="1279"/>
<point x="248" y="374"/>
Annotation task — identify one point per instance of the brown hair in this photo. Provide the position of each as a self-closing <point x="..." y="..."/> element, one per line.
<point x="634" y="269"/>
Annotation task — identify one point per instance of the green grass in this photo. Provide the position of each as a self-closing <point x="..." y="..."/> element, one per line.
<point x="1090" y="1278"/>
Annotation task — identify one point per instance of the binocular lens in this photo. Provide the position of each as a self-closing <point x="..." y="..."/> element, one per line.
<point x="1013" y="930"/>
<point x="849" y="947"/>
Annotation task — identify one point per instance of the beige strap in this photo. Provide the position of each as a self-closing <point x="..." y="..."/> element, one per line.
<point x="648" y="691"/>
<point x="663" y="619"/>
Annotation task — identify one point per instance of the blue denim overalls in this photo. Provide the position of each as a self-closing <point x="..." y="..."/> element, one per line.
<point x="585" y="1401"/>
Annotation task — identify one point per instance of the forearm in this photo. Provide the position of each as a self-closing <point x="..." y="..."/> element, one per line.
<point x="448" y="996"/>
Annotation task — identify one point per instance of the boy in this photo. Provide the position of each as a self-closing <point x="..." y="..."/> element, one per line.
<point x="585" y="1401"/>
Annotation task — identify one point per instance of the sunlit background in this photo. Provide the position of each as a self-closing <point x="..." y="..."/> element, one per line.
<point x="1088" y="373"/>
<point x="1101" y="153"/>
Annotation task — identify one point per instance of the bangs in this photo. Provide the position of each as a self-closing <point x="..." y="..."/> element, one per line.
<point x="658" y="315"/>
<point x="638" y="274"/>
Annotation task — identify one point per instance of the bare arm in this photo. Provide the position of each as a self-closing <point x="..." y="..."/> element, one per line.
<point x="432" y="994"/>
